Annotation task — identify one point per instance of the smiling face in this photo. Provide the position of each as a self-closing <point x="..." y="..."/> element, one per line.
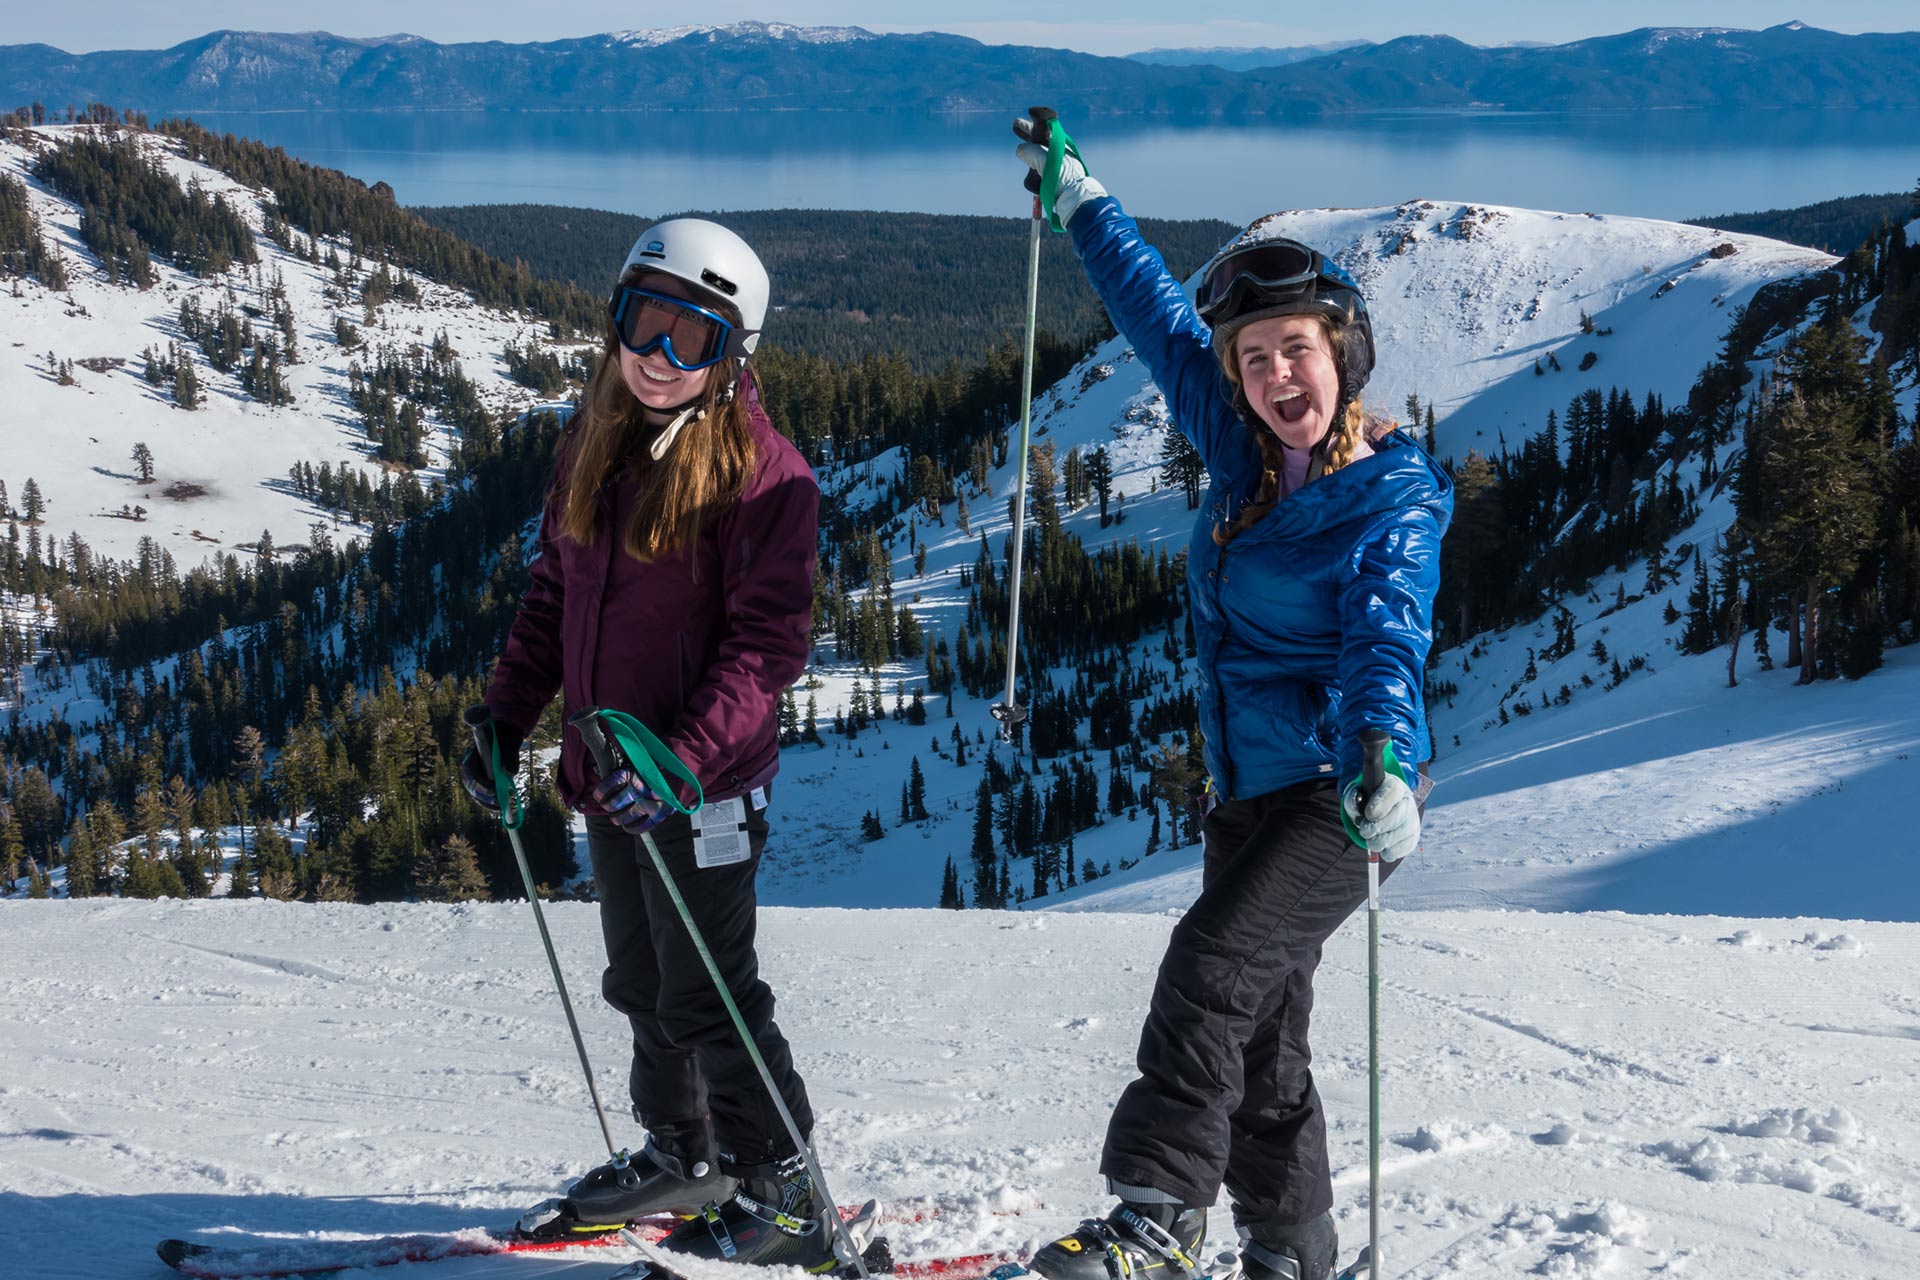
<point x="1288" y="371"/>
<point x="652" y="378"/>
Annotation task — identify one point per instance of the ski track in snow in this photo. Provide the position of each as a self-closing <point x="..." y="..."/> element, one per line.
<point x="1559" y="1100"/>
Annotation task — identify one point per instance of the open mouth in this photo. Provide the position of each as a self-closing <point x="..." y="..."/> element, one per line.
<point x="651" y="376"/>
<point x="1291" y="404"/>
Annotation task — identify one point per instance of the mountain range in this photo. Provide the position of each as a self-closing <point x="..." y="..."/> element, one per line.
<point x="763" y="66"/>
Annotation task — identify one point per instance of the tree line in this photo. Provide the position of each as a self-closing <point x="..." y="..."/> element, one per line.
<point x="934" y="289"/>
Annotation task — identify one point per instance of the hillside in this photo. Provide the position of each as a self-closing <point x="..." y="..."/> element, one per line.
<point x="220" y="474"/>
<point x="1834" y="226"/>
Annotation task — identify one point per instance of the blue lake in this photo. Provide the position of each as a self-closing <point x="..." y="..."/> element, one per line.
<point x="1665" y="164"/>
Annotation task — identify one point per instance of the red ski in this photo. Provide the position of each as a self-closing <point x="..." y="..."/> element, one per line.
<point x="317" y="1257"/>
<point x="278" y="1260"/>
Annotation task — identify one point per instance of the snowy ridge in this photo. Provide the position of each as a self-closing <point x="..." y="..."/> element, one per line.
<point x="646" y="38"/>
<point x="77" y="441"/>
<point x="1466" y="297"/>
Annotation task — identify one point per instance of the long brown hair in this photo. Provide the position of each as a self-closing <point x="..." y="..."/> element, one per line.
<point x="1336" y="450"/>
<point x="704" y="470"/>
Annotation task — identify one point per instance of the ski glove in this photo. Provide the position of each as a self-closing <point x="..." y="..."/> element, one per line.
<point x="1390" y="820"/>
<point x="476" y="775"/>
<point x="1077" y="186"/>
<point x="630" y="802"/>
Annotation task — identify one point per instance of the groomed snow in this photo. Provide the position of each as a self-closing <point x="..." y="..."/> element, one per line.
<point x="1565" y="1095"/>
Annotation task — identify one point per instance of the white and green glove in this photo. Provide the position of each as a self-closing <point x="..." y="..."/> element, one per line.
<point x="1390" y="819"/>
<point x="1057" y="173"/>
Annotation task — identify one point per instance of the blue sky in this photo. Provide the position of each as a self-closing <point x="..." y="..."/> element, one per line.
<point x="1108" y="27"/>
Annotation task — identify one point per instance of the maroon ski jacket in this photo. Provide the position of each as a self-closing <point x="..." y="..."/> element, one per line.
<point x="700" y="659"/>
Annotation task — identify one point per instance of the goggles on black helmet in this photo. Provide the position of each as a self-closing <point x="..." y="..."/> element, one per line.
<point x="1284" y="277"/>
<point x="1260" y="275"/>
<point x="689" y="335"/>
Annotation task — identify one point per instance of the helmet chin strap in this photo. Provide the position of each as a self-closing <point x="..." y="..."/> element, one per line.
<point x="685" y="414"/>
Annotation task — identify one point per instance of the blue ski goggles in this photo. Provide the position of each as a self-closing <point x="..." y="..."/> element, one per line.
<point x="689" y="335"/>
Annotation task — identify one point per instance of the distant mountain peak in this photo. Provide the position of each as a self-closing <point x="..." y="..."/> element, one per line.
<point x="649" y="37"/>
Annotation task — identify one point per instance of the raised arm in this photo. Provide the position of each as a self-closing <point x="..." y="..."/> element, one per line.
<point x="1145" y="302"/>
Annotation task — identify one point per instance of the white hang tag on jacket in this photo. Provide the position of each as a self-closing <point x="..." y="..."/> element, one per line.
<point x="720" y="834"/>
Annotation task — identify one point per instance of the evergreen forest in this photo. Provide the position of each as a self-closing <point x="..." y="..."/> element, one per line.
<point x="932" y="289"/>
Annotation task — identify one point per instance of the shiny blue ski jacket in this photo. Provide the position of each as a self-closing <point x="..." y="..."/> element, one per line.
<point x="1314" y="623"/>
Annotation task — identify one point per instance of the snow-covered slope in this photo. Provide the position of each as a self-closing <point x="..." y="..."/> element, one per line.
<point x="1465" y="298"/>
<point x="1582" y="1097"/>
<point x="77" y="441"/>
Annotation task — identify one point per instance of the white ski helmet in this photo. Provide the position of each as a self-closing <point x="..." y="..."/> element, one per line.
<point x="711" y="259"/>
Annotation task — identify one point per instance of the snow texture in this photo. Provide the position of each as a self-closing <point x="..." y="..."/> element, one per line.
<point x="1590" y="1095"/>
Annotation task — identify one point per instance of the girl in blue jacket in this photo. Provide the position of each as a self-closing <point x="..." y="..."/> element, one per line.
<point x="1312" y="569"/>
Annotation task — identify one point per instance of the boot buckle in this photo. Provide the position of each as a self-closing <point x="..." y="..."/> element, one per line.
<point x="1157" y="1236"/>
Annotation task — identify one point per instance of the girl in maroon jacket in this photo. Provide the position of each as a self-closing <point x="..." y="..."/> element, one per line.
<point x="674" y="582"/>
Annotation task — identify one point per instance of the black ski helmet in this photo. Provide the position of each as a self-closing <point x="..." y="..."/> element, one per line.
<point x="1254" y="280"/>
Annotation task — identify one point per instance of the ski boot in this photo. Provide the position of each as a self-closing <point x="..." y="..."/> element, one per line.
<point x="770" y="1220"/>
<point x="1147" y="1241"/>
<point x="671" y="1174"/>
<point x="1309" y="1251"/>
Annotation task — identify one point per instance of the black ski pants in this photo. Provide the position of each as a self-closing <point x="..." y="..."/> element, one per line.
<point x="1225" y="1093"/>
<point x="688" y="1059"/>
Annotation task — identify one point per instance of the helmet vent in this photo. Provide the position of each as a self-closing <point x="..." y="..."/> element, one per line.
<point x="719" y="282"/>
<point x="654" y="249"/>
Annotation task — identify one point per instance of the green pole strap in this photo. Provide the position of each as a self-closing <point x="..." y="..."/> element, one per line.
<point x="1059" y="147"/>
<point x="652" y="759"/>
<point x="511" y="812"/>
<point x="1393" y="763"/>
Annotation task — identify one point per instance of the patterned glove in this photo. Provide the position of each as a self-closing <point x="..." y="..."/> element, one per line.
<point x="630" y="803"/>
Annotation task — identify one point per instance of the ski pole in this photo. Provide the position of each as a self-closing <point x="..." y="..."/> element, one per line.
<point x="1377" y="747"/>
<point x="1008" y="712"/>
<point x="604" y="759"/>
<point x="479" y="723"/>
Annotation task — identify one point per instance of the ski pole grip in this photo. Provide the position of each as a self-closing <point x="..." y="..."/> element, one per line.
<point x="1373" y="765"/>
<point x="1376" y="748"/>
<point x="588" y="723"/>
<point x="479" y="722"/>
<point x="486" y="741"/>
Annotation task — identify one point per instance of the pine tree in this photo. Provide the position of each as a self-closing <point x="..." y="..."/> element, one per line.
<point x="456" y="873"/>
<point x="143" y="461"/>
<point x="12" y="850"/>
<point x="240" y="882"/>
<point x="1818" y="512"/>
<point x="186" y="383"/>
<point x="82" y="863"/>
<point x="273" y="854"/>
<point x="916" y="793"/>
<point x="1181" y="465"/>
<point x="1700" y="633"/>
<point x="982" y="852"/>
<point x="950" y="898"/>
